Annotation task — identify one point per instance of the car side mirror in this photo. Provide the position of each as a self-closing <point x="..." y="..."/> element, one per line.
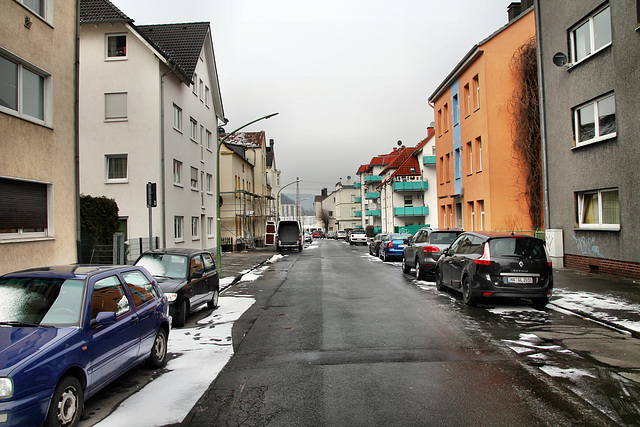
<point x="196" y="275"/>
<point x="407" y="241"/>
<point x="104" y="318"/>
<point x="445" y="252"/>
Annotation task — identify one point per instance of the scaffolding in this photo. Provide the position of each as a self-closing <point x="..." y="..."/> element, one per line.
<point x="243" y="217"/>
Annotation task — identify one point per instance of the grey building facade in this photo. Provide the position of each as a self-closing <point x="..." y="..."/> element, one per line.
<point x="591" y="129"/>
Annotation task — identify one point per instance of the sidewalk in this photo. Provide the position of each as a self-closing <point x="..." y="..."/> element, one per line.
<point x="236" y="264"/>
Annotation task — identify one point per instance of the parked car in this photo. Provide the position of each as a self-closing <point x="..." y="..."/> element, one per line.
<point x="68" y="331"/>
<point x="341" y="235"/>
<point x="317" y="234"/>
<point x="188" y="277"/>
<point x="374" y="244"/>
<point x="332" y="235"/>
<point x="488" y="265"/>
<point x="393" y="245"/>
<point x="288" y="235"/>
<point x="308" y="238"/>
<point x="424" y="249"/>
<point x="357" y="237"/>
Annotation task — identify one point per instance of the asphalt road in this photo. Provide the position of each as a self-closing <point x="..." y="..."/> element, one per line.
<point x="339" y="338"/>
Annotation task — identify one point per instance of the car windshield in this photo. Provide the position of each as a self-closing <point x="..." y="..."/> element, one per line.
<point x="165" y="265"/>
<point x="517" y="247"/>
<point x="442" y="238"/>
<point x="399" y="236"/>
<point x="28" y="301"/>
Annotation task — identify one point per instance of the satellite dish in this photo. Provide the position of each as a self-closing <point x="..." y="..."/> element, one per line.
<point x="399" y="143"/>
<point x="349" y="177"/>
<point x="560" y="59"/>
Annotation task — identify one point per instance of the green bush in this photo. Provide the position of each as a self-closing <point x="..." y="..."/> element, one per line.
<point x="99" y="218"/>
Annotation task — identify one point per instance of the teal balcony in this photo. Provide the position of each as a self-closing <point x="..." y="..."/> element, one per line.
<point x="410" y="186"/>
<point x="411" y="211"/>
<point x="429" y="160"/>
<point x="372" y="195"/>
<point x="372" y="178"/>
<point x="357" y="185"/>
<point x="358" y="199"/>
<point x="359" y="214"/>
<point x="375" y="212"/>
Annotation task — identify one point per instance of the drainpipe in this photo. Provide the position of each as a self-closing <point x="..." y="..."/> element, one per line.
<point x="163" y="206"/>
<point x="543" y="129"/>
<point x="76" y="125"/>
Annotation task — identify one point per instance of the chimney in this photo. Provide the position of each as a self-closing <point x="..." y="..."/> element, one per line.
<point x="271" y="143"/>
<point x="513" y="10"/>
<point x="324" y="192"/>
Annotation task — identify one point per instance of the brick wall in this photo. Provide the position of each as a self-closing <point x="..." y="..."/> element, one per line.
<point x="603" y="266"/>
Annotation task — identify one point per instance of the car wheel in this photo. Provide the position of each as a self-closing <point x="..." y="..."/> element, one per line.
<point x="158" y="356"/>
<point x="181" y="314"/>
<point x="539" y="303"/>
<point x="420" y="274"/>
<point x="406" y="269"/>
<point x="213" y="303"/>
<point x="439" y="282"/>
<point x="66" y="404"/>
<point x="467" y="296"/>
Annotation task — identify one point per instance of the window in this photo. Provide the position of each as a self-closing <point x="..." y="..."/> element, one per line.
<point x="209" y="183"/>
<point x="599" y="209"/>
<point x="178" y="228"/>
<point x="457" y="167"/>
<point x="447" y="165"/>
<point x="467" y="100"/>
<point x="24" y="89"/>
<point x="194" y="178"/>
<point x="194" y="87"/>
<point x="194" y="130"/>
<point x="408" y="201"/>
<point x="115" y="106"/>
<point x="39" y="7"/>
<point x="108" y="295"/>
<point x="595" y="121"/>
<point x="591" y="35"/>
<point x="177" y="118"/>
<point x="195" y="227"/>
<point x="472" y="214"/>
<point x="440" y="128"/>
<point x="476" y="86"/>
<point x="209" y="140"/>
<point x="116" y="46"/>
<point x="141" y="289"/>
<point x="469" y="167"/>
<point x="24" y="208"/>
<point x="210" y="226"/>
<point x="479" y="154"/>
<point x="116" y="168"/>
<point x="202" y="143"/>
<point x="177" y="172"/>
<point x="200" y="91"/>
<point x="455" y="106"/>
<point x="445" y="118"/>
<point x="206" y="95"/>
<point x="481" y="203"/>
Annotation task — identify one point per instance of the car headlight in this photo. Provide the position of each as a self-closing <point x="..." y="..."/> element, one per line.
<point x="6" y="388"/>
<point x="171" y="296"/>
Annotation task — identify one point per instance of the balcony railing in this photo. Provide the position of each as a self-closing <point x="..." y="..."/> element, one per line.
<point x="410" y="186"/>
<point x="375" y="212"/>
<point x="429" y="160"/>
<point x="372" y="195"/>
<point x="411" y="211"/>
<point x="359" y="214"/>
<point x="358" y="199"/>
<point x="372" y="178"/>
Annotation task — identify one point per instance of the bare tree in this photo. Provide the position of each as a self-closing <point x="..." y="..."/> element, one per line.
<point x="324" y="218"/>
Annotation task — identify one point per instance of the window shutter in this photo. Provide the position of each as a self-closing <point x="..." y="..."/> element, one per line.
<point x="22" y="204"/>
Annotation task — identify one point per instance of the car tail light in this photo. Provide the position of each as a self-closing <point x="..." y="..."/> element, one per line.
<point x="485" y="259"/>
<point x="487" y="294"/>
<point x="430" y="249"/>
<point x="390" y="245"/>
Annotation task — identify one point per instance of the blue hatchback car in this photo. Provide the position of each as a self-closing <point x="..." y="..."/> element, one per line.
<point x="68" y="331"/>
<point x="393" y="245"/>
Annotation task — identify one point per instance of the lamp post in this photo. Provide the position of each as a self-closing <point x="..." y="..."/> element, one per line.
<point x="218" y="237"/>
<point x="278" y="199"/>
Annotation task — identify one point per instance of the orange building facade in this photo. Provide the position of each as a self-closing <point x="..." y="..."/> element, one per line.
<point x="480" y="186"/>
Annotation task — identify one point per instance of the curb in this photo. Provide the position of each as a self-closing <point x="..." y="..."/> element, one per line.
<point x="239" y="275"/>
<point x="607" y="323"/>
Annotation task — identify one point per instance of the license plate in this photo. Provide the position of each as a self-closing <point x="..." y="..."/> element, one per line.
<point x="522" y="280"/>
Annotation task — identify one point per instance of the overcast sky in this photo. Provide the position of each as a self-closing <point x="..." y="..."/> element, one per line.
<point x="349" y="78"/>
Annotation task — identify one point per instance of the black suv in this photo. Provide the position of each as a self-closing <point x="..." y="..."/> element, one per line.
<point x="188" y="277"/>
<point x="492" y="264"/>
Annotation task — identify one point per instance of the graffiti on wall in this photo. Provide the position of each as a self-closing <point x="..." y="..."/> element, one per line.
<point x="588" y="246"/>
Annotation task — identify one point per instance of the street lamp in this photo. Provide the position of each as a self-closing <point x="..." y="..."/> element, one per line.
<point x="278" y="198"/>
<point x="218" y="237"/>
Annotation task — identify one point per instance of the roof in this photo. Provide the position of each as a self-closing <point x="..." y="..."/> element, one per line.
<point x="180" y="43"/>
<point x="94" y="11"/>
<point x="471" y="56"/>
